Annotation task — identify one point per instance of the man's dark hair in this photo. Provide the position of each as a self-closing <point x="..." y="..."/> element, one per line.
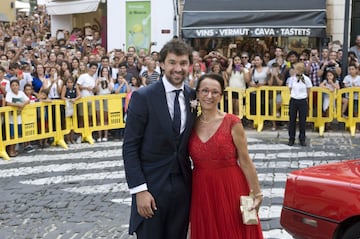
<point x="14" y="80"/>
<point x="105" y="58"/>
<point x="177" y="47"/>
<point x="93" y="63"/>
<point x="12" y="51"/>
<point x="123" y="64"/>
<point x="293" y="53"/>
<point x="60" y="53"/>
<point x="13" y="66"/>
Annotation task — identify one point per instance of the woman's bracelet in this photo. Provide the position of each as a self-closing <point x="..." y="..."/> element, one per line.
<point x="260" y="194"/>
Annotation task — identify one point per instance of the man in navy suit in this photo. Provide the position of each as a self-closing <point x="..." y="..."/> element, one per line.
<point x="156" y="158"/>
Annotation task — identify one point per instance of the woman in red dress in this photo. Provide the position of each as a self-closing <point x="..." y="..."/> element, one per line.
<point x="223" y="170"/>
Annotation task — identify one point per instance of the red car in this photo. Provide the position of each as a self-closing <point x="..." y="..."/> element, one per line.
<point x="323" y="202"/>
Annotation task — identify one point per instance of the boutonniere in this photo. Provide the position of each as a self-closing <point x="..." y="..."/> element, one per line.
<point x="193" y="105"/>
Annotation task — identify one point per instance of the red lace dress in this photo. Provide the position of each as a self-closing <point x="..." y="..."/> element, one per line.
<point x="218" y="183"/>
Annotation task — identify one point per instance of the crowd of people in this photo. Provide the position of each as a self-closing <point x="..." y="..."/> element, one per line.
<point x="77" y="59"/>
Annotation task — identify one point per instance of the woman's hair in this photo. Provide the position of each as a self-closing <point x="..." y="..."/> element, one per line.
<point x="69" y="78"/>
<point x="212" y="76"/>
<point x="213" y="64"/>
<point x="333" y="73"/>
<point x="233" y="64"/>
<point x="75" y="59"/>
<point x="35" y="73"/>
<point x="138" y="81"/>
<point x="102" y="72"/>
<point x="62" y="71"/>
<point x="261" y="57"/>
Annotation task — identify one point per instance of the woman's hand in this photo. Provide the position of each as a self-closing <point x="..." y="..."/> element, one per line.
<point x="257" y="203"/>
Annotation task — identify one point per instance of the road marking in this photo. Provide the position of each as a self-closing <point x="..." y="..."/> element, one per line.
<point x="286" y="155"/>
<point x="266" y="212"/>
<point x="105" y="188"/>
<point x="107" y="144"/>
<point x="272" y="177"/>
<point x="5" y="173"/>
<point x="270" y="147"/>
<point x="24" y="158"/>
<point x="125" y="201"/>
<point x="75" y="178"/>
<point x="273" y="192"/>
<point x="276" y="234"/>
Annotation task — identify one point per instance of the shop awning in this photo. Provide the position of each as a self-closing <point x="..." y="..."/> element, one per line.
<point x="63" y="7"/>
<point x="255" y="18"/>
<point x="22" y="5"/>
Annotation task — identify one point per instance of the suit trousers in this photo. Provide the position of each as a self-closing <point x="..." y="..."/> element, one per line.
<point x="297" y="106"/>
<point x="171" y="218"/>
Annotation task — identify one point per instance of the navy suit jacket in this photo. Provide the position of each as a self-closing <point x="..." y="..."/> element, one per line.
<point x="150" y="145"/>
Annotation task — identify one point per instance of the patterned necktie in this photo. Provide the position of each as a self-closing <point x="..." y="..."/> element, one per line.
<point x="177" y="113"/>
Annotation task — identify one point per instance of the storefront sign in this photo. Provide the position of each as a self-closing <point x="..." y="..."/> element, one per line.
<point x="250" y="32"/>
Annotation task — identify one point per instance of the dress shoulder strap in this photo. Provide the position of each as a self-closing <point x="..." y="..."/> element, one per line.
<point x="233" y="119"/>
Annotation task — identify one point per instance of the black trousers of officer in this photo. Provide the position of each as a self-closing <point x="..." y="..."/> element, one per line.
<point x="297" y="106"/>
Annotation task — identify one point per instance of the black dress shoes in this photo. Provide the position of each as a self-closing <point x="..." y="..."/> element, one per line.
<point x="291" y="142"/>
<point x="302" y="143"/>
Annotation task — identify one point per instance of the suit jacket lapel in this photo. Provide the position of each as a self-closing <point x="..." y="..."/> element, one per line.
<point x="189" y="114"/>
<point x="161" y="107"/>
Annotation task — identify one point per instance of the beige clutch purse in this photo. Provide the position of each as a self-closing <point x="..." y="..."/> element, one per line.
<point x="249" y="217"/>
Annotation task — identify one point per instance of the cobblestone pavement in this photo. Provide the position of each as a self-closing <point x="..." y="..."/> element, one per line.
<point x="81" y="192"/>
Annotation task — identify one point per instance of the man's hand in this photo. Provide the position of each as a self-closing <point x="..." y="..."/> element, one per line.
<point x="145" y="203"/>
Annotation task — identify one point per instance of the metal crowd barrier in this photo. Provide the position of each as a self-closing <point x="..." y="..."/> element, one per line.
<point x="102" y="112"/>
<point x="48" y="120"/>
<point x="264" y="108"/>
<point x="38" y="121"/>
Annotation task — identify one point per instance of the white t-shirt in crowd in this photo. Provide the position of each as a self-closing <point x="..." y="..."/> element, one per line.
<point x="350" y="81"/>
<point x="86" y="80"/>
<point x="20" y="97"/>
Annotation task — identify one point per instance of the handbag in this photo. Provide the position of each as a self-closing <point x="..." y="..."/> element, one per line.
<point x="249" y="217"/>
